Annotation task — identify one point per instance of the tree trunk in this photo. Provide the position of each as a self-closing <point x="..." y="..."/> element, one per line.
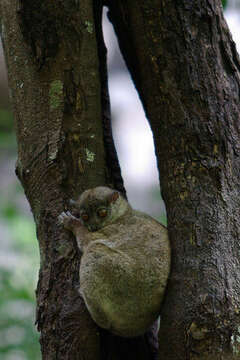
<point x="56" y="94"/>
<point x="186" y="69"/>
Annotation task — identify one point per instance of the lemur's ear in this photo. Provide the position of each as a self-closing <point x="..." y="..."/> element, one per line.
<point x="113" y="197"/>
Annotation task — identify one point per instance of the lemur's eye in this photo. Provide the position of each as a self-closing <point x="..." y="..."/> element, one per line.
<point x="84" y="216"/>
<point x="102" y="213"/>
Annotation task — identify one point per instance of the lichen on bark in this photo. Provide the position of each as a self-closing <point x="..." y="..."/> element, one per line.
<point x="55" y="94"/>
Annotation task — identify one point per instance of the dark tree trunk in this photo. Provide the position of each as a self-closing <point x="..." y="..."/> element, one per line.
<point x="52" y="59"/>
<point x="186" y="68"/>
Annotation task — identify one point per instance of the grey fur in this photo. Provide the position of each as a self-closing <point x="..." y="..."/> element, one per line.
<point x="125" y="263"/>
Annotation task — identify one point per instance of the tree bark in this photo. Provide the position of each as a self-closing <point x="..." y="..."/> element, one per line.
<point x="50" y="48"/>
<point x="186" y="69"/>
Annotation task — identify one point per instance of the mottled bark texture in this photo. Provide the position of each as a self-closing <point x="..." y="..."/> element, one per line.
<point x="186" y="69"/>
<point x="57" y="77"/>
<point x="50" y="48"/>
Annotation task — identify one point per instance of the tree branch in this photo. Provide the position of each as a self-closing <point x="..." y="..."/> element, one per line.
<point x="53" y="68"/>
<point x="186" y="69"/>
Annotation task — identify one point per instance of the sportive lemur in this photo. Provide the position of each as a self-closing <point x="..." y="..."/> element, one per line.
<point x="125" y="261"/>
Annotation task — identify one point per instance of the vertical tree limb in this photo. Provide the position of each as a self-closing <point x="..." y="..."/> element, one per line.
<point x="53" y="67"/>
<point x="186" y="69"/>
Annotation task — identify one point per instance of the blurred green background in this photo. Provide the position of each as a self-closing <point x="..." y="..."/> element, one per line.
<point x="19" y="255"/>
